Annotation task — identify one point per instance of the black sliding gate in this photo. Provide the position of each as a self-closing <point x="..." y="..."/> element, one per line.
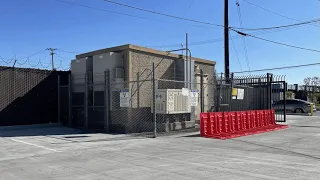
<point x="253" y="92"/>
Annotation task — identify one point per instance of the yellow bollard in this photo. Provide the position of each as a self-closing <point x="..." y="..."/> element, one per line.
<point x="311" y="109"/>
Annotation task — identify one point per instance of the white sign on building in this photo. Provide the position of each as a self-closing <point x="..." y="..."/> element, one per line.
<point x="124" y="98"/>
<point x="194" y="94"/>
<point x="240" y="94"/>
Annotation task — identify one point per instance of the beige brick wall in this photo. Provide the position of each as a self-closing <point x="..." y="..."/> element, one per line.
<point x="141" y="69"/>
<point x="141" y="62"/>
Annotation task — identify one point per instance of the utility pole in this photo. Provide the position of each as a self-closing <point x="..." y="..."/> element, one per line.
<point x="186" y="64"/>
<point x="226" y="41"/>
<point x="52" y="53"/>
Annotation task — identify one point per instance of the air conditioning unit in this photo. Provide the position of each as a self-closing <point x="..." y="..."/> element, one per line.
<point x="172" y="101"/>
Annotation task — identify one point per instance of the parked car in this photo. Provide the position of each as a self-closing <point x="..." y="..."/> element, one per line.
<point x="295" y="106"/>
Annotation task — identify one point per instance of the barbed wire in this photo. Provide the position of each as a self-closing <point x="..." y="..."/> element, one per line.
<point x="27" y="59"/>
<point x="38" y="64"/>
<point x="34" y="65"/>
<point x="41" y="63"/>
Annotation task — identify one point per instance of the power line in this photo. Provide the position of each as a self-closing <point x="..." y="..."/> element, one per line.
<point x="280" y="68"/>
<point x="243" y="38"/>
<point x="275" y="42"/>
<point x="185" y="11"/>
<point x="177" y="17"/>
<point x="64" y="51"/>
<point x="162" y="14"/>
<point x="191" y="4"/>
<point x="119" y="13"/>
<point x="280" y="27"/>
<point x="235" y="50"/>
<point x="33" y="54"/>
<point x="275" y="13"/>
<point x="209" y="41"/>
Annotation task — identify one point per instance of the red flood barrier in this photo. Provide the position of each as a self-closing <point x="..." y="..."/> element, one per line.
<point x="225" y="125"/>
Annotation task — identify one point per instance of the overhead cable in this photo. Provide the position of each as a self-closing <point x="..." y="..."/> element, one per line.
<point x="235" y="50"/>
<point x="119" y="13"/>
<point x="280" y="68"/>
<point x="275" y="13"/>
<point x="279" y="27"/>
<point x="275" y="42"/>
<point x="175" y="17"/>
<point x="243" y="38"/>
<point x="163" y="14"/>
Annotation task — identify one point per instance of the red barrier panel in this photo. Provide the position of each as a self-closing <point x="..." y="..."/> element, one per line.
<point x="266" y="117"/>
<point x="219" y="122"/>
<point x="211" y="124"/>
<point x="258" y="118"/>
<point x="232" y="121"/>
<point x="273" y="120"/>
<point x="235" y="124"/>
<point x="238" y="121"/>
<point x="203" y="124"/>
<point x="253" y="119"/>
<point x="249" y="120"/>
<point x="262" y="118"/>
<point x="225" y="122"/>
<point x="243" y="120"/>
<point x="215" y="123"/>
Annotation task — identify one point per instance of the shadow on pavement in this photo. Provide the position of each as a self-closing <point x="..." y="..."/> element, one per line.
<point x="279" y="149"/>
<point x="194" y="135"/>
<point x="305" y="126"/>
<point x="43" y="130"/>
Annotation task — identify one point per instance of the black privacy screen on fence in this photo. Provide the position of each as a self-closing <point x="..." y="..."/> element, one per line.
<point x="28" y="96"/>
<point x="254" y="92"/>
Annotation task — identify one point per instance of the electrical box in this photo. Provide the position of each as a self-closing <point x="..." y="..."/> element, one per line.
<point x="172" y="101"/>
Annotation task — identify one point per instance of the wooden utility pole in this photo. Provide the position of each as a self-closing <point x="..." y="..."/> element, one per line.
<point x="186" y="63"/>
<point x="52" y="55"/>
<point x="226" y="41"/>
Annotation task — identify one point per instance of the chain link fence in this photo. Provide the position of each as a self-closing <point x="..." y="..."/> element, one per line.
<point x="156" y="107"/>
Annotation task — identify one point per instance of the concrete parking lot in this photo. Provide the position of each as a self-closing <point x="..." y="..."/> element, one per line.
<point x="54" y="152"/>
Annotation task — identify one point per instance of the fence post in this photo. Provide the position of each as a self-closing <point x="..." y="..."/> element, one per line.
<point x="59" y="120"/>
<point x="138" y="90"/>
<point x="70" y="100"/>
<point x="231" y="89"/>
<point x="201" y="91"/>
<point x="220" y="93"/>
<point x="86" y="101"/>
<point x="312" y="94"/>
<point x="269" y="96"/>
<point x="284" y="100"/>
<point x="154" y="101"/>
<point x="106" y="100"/>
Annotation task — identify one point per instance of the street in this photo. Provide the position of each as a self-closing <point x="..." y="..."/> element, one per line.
<point x="54" y="152"/>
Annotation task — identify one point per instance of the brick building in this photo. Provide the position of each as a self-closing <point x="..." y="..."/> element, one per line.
<point x="130" y="67"/>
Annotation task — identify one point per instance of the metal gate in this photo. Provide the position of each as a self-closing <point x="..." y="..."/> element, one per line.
<point x="252" y="92"/>
<point x="278" y="94"/>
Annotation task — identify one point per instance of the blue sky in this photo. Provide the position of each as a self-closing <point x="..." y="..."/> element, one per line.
<point x="32" y="26"/>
